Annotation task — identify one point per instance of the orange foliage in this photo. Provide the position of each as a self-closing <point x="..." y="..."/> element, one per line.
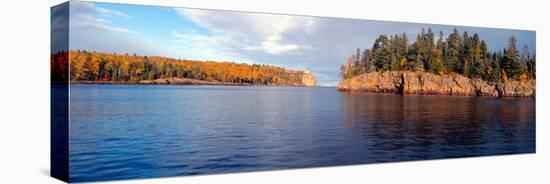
<point x="96" y="66"/>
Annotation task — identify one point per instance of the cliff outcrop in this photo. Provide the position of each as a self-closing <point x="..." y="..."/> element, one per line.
<point x="406" y="82"/>
<point x="309" y="80"/>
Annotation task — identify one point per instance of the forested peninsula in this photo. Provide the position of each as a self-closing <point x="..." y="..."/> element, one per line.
<point x="457" y="65"/>
<point x="102" y="68"/>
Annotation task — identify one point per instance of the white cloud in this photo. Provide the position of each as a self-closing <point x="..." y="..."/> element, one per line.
<point x="272" y="45"/>
<point x="252" y="32"/>
<point x="87" y="15"/>
<point x="93" y="28"/>
<point x="99" y="26"/>
<point x="91" y="8"/>
<point x="199" y="39"/>
<point x="200" y="47"/>
<point x="106" y="12"/>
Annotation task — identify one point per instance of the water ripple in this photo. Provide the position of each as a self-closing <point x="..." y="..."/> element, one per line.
<point x="120" y="132"/>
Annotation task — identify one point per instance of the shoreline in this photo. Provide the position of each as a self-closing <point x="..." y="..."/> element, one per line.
<point x="424" y="83"/>
<point x="431" y="94"/>
<point x="141" y="83"/>
<point x="178" y="81"/>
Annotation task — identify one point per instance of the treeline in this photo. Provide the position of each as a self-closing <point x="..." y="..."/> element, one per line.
<point x="463" y="54"/>
<point x="95" y="66"/>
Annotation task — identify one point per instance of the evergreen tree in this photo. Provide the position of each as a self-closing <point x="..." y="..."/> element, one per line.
<point x="381" y="53"/>
<point x="365" y="61"/>
<point x="454" y="45"/>
<point x="437" y="65"/>
<point x="511" y="64"/>
<point x="477" y="55"/>
<point x="463" y="54"/>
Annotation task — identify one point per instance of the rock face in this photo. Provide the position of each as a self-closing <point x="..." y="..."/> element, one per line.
<point x="405" y="82"/>
<point x="308" y="79"/>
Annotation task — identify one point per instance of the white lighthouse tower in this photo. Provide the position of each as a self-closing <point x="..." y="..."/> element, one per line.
<point x="307" y="71"/>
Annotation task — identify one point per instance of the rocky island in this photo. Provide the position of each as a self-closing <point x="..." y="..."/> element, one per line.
<point x="458" y="65"/>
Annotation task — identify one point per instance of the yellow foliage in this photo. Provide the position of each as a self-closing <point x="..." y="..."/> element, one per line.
<point x="403" y="61"/>
<point x="117" y="67"/>
<point x="504" y="76"/>
<point x="523" y="76"/>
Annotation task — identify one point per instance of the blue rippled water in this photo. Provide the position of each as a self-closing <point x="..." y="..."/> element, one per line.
<point x="137" y="131"/>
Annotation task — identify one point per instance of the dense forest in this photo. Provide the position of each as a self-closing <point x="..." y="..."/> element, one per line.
<point x="95" y="66"/>
<point x="463" y="54"/>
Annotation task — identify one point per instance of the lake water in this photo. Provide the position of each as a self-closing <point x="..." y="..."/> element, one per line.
<point x="137" y="131"/>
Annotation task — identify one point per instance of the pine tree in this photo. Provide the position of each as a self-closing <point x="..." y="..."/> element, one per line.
<point x="477" y="55"/>
<point x="511" y="64"/>
<point x="463" y="54"/>
<point x="437" y="65"/>
<point x="454" y="45"/>
<point x="365" y="61"/>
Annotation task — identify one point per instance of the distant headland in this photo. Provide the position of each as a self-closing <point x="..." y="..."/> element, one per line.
<point x="102" y="68"/>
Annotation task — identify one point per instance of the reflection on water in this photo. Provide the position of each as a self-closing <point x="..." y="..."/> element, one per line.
<point x="396" y="127"/>
<point x="132" y="131"/>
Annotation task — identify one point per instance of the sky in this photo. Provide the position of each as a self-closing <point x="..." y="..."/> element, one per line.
<point x="294" y="42"/>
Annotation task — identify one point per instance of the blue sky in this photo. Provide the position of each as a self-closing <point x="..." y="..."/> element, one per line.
<point x="294" y="42"/>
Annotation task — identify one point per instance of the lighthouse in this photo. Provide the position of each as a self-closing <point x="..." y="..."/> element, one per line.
<point x="307" y="71"/>
<point x="308" y="79"/>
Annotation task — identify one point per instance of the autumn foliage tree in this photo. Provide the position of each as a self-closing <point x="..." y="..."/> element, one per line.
<point x="95" y="66"/>
<point x="59" y="66"/>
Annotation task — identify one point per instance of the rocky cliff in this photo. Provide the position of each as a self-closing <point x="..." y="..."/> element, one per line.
<point x="405" y="82"/>
<point x="309" y="79"/>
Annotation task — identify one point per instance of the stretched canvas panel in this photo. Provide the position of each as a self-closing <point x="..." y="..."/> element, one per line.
<point x="147" y="91"/>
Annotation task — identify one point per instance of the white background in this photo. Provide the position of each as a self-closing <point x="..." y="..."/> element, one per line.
<point x="24" y="90"/>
